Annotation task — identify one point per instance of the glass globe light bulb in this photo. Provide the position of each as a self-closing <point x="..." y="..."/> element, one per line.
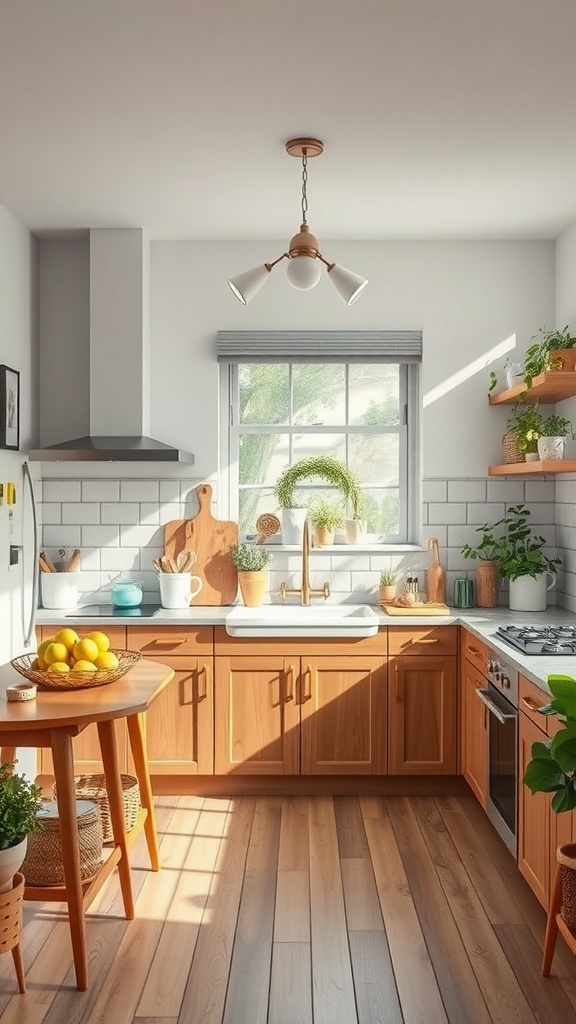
<point x="304" y="272"/>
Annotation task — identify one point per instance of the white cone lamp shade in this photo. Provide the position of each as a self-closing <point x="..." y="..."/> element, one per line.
<point x="304" y="272"/>
<point x="348" y="284"/>
<point x="246" y="285"/>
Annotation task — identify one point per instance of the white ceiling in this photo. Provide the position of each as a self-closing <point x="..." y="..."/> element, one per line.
<point x="440" y="118"/>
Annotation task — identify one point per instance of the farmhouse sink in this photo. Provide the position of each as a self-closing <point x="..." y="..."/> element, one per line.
<point x="296" y="620"/>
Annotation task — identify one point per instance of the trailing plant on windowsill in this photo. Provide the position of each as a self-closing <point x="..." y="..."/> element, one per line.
<point x="327" y="468"/>
<point x="326" y="516"/>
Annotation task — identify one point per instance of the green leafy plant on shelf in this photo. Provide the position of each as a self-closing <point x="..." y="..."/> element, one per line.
<point x="552" y="768"/>
<point x="325" y="467"/>
<point x="20" y="801"/>
<point x="537" y="358"/>
<point x="556" y="426"/>
<point x="250" y="557"/>
<point x="326" y="516"/>
<point x="510" y="542"/>
<point x="526" y="422"/>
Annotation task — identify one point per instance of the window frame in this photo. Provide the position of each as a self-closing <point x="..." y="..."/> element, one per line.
<point x="410" y="487"/>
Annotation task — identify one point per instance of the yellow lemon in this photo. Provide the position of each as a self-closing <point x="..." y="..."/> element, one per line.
<point x="106" y="659"/>
<point x="58" y="666"/>
<point x="101" y="640"/>
<point x="42" y="647"/>
<point x="55" y="652"/>
<point x="84" y="666"/>
<point x="66" y="636"/>
<point x="41" y="664"/>
<point x="85" y="650"/>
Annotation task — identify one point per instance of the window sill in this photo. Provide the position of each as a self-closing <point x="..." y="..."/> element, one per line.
<point x="345" y="548"/>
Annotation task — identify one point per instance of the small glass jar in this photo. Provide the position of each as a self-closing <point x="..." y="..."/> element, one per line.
<point x="126" y="594"/>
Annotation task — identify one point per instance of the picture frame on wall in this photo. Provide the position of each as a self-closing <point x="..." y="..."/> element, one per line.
<point x="9" y="408"/>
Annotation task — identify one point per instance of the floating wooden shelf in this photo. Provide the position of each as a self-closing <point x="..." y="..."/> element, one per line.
<point x="525" y="468"/>
<point x="550" y="387"/>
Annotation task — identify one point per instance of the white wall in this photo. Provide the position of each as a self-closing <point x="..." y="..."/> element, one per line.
<point x="565" y="490"/>
<point x="19" y="350"/>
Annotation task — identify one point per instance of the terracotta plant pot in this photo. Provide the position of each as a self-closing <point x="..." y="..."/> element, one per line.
<point x="323" y="536"/>
<point x="386" y="594"/>
<point x="487" y="584"/>
<point x="562" y="359"/>
<point x="253" y="586"/>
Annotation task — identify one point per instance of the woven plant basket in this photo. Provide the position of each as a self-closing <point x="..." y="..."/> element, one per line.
<point x="11" y="914"/>
<point x="93" y="787"/>
<point x="43" y="863"/>
<point x="510" y="449"/>
<point x="566" y="857"/>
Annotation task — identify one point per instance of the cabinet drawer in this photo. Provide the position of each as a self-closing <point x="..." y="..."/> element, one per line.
<point x="422" y="640"/>
<point x="293" y="647"/>
<point x="530" y="699"/>
<point x="475" y="651"/>
<point x="159" y="640"/>
<point x="117" y="634"/>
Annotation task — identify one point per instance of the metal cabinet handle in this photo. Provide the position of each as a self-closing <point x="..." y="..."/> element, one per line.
<point x="531" y="704"/>
<point x="431" y="640"/>
<point x="307" y="694"/>
<point x="289" y="683"/>
<point x="474" y="650"/>
<point x="397" y="697"/>
<point x="493" y="709"/>
<point x="203" y="671"/>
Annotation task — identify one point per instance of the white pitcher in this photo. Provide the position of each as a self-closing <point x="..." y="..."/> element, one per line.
<point x="528" y="593"/>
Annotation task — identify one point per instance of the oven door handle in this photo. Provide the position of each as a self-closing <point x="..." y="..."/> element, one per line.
<point x="493" y="708"/>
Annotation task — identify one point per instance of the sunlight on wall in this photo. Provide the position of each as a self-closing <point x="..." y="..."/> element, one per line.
<point x="470" y="370"/>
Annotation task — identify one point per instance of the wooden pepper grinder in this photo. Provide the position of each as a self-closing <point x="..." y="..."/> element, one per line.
<point x="435" y="576"/>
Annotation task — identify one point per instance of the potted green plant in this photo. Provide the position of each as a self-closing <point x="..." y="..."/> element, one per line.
<point x="524" y="426"/>
<point x="552" y="437"/>
<point x="324" y="467"/>
<point x="487" y="552"/>
<point x="326" y="519"/>
<point x="251" y="561"/>
<point x="553" y="351"/>
<point x="388" y="583"/>
<point x="20" y="801"/>
<point x="552" y="769"/>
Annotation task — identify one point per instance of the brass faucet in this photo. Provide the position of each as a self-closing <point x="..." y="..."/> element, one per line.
<point x="305" y="590"/>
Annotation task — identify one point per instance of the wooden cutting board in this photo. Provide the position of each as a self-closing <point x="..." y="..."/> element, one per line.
<point x="424" y="609"/>
<point x="212" y="540"/>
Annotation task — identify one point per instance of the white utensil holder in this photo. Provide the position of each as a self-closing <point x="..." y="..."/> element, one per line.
<point x="176" y="589"/>
<point x="59" y="589"/>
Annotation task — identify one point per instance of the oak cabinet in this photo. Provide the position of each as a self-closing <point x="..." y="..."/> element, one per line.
<point x="474" y="717"/>
<point x="422" y="709"/>
<point x="534" y="817"/>
<point x="310" y="715"/>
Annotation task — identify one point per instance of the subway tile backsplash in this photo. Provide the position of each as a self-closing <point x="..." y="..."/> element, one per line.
<point x="119" y="527"/>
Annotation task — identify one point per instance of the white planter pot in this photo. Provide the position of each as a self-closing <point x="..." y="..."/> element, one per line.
<point x="528" y="593"/>
<point x="10" y="861"/>
<point x="293" y="520"/>
<point x="355" y="530"/>
<point x="551" y="447"/>
<point x="532" y="457"/>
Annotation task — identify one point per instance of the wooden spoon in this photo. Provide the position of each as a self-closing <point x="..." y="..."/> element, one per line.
<point x="168" y="564"/>
<point x="157" y="565"/>
<point x="185" y="560"/>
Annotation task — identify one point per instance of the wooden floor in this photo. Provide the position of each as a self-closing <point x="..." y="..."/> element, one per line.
<point x="320" y="910"/>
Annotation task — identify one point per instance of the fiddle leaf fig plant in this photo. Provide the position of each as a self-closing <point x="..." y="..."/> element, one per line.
<point x="553" y="765"/>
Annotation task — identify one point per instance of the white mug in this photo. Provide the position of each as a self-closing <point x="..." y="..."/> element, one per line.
<point x="176" y="589"/>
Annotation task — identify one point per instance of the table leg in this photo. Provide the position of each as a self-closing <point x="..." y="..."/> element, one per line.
<point x="107" y="737"/>
<point x="137" y="737"/>
<point x="62" y="756"/>
<point x="7" y="755"/>
<point x="552" y="925"/>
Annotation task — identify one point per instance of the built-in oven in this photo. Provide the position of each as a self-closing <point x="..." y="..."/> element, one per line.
<point x="500" y="697"/>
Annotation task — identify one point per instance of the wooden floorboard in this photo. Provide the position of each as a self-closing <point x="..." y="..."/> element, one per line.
<point x="305" y="910"/>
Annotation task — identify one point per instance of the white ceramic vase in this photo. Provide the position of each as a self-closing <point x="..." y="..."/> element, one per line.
<point x="355" y="530"/>
<point x="551" y="447"/>
<point x="528" y="593"/>
<point x="293" y="520"/>
<point x="10" y="862"/>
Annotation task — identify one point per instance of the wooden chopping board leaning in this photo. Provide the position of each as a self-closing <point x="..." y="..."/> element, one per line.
<point x="212" y="540"/>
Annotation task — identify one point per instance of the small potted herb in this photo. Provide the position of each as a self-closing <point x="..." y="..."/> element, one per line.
<point x="387" y="589"/>
<point x="251" y="561"/>
<point x="555" y="350"/>
<point x="552" y="437"/>
<point x="20" y="801"/>
<point x="326" y="519"/>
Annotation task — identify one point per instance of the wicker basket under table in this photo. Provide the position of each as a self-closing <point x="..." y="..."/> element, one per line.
<point x="43" y="865"/>
<point x="11" y="926"/>
<point x="93" y="787"/>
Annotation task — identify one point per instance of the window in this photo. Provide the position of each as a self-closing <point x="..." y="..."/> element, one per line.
<point x="364" y="413"/>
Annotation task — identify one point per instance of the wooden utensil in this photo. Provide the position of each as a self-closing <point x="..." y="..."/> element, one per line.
<point x="50" y="567"/>
<point x="74" y="562"/>
<point x="157" y="565"/>
<point x="267" y="525"/>
<point x="185" y="560"/>
<point x="44" y="567"/>
<point x="435" y="576"/>
<point x="212" y="540"/>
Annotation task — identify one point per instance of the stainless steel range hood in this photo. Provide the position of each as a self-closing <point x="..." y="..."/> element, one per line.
<point x="111" y="449"/>
<point x="119" y="386"/>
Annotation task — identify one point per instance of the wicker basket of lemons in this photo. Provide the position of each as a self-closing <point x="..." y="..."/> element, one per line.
<point x="68" y="661"/>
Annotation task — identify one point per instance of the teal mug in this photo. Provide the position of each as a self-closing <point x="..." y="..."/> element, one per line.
<point x="463" y="593"/>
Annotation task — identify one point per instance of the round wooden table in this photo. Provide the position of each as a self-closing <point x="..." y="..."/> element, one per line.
<point x="52" y="720"/>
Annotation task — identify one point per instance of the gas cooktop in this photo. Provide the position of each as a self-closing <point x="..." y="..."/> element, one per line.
<point x="106" y="611"/>
<point x="546" y="640"/>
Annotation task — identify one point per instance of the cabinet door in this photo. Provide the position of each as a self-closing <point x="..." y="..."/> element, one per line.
<point x="257" y="723"/>
<point x="343" y="713"/>
<point x="474" y="732"/>
<point x="533" y="818"/>
<point x="422" y="722"/>
<point x="179" y="723"/>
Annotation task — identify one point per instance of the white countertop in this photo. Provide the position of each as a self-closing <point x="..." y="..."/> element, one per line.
<point x="483" y="622"/>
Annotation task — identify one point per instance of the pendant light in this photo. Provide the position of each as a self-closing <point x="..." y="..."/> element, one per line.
<point x="304" y="257"/>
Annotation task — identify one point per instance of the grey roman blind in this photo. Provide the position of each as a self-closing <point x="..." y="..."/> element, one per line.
<point x="315" y="346"/>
